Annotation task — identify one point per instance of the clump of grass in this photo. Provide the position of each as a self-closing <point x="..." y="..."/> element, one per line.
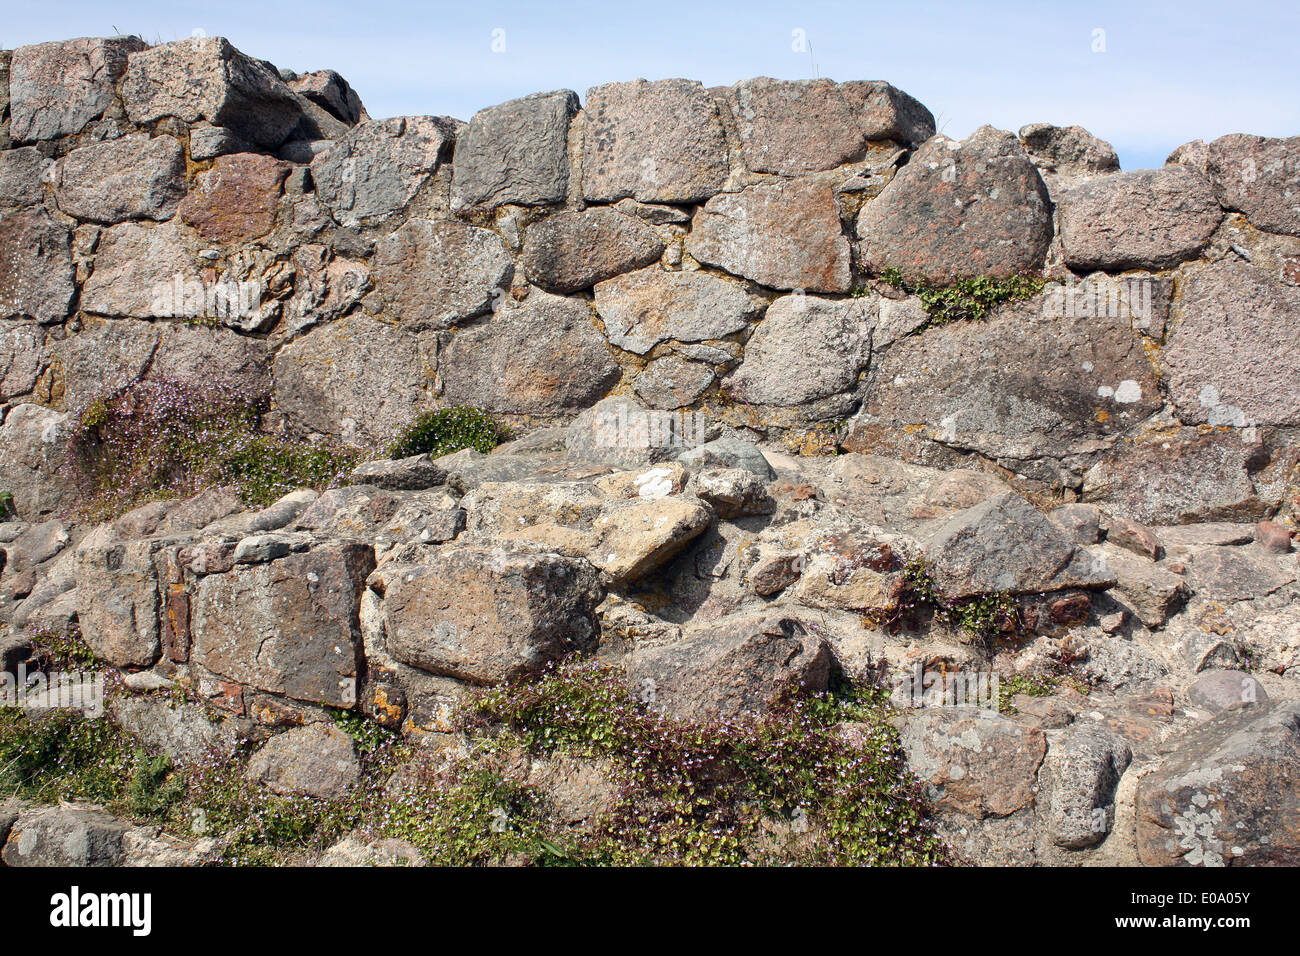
<point x="63" y="755"/>
<point x="448" y="430"/>
<point x="169" y="437"/>
<point x="59" y="650"/>
<point x="968" y="299"/>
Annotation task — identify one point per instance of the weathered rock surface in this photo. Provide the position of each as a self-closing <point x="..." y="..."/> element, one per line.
<point x="515" y="152"/>
<point x="803" y="126"/>
<point x="237" y="199"/>
<point x="1227" y="796"/>
<point x="1260" y="177"/>
<point x="56" y="88"/>
<point x="784" y="235"/>
<point x="570" y="251"/>
<point x="205" y="78"/>
<point x="652" y="305"/>
<point x="731" y="670"/>
<point x="1066" y="156"/>
<point x="315" y="760"/>
<point x="1150" y="219"/>
<point x="31" y="451"/>
<point x="805" y="348"/>
<point x="486" y="615"/>
<point x="543" y="356"/>
<point x="36" y="278"/>
<point x="1005" y="544"/>
<point x="659" y="142"/>
<point x="135" y="177"/>
<point x="975" y="207"/>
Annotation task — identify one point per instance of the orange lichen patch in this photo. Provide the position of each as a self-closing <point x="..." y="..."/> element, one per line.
<point x="1103" y="416"/>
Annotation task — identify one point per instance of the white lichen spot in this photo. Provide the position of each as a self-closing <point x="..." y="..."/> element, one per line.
<point x="1128" y="392"/>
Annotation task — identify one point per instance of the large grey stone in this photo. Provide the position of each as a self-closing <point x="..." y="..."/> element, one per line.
<point x="786" y="235"/>
<point x="55" y="89"/>
<point x="1004" y="544"/>
<point x="543" y="356"/>
<point x="1085" y="768"/>
<point x="570" y="251"/>
<point x="655" y="142"/>
<point x="515" y="152"/>
<point x="1228" y="795"/>
<point x="957" y="209"/>
<point x="1233" y="357"/>
<point x="31" y="453"/>
<point x="119" y="599"/>
<point x="1067" y="155"/>
<point x="1259" y="176"/>
<point x="20" y="178"/>
<point x="135" y="177"/>
<point x="731" y="670"/>
<point x="287" y="627"/>
<point x="314" y="760"/>
<point x="137" y="271"/>
<point x="36" y="278"/>
<point x="649" y="306"/>
<point x="23" y="358"/>
<point x="355" y="379"/>
<point x="489" y="614"/>
<point x="1017" y="387"/>
<point x="435" y="274"/>
<point x="1149" y="219"/>
<point x="379" y="166"/>
<point x="672" y="382"/>
<point x="206" y="78"/>
<point x="805" y="348"/>
<point x="65" y="836"/>
<point x="793" y="127"/>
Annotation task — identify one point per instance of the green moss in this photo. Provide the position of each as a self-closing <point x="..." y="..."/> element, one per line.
<point x="982" y="615"/>
<point x="448" y="430"/>
<point x="966" y="299"/>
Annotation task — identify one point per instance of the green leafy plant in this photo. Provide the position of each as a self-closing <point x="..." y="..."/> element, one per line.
<point x="448" y="430"/>
<point x="6" y="505"/>
<point x="983" y="615"/>
<point x="966" y="299"/>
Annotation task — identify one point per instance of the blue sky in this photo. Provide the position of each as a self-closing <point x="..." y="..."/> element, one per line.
<point x="1169" y="72"/>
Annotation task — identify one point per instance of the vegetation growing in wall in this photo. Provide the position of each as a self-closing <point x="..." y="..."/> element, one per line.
<point x="448" y="430"/>
<point x="967" y="299"/>
<point x="983" y="615"/>
<point x="169" y="437"/>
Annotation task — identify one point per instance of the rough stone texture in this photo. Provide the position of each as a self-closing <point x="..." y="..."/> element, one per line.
<point x="803" y="126"/>
<point x="316" y="760"/>
<point x="236" y="199"/>
<point x="1005" y="544"/>
<point x="1211" y="477"/>
<point x="1234" y="574"/>
<point x="543" y="356"/>
<point x="1016" y="387"/>
<point x="732" y="669"/>
<point x="351" y="851"/>
<point x="784" y="235"/>
<point x="436" y="274"/>
<point x="1260" y="177"/>
<point x="137" y="271"/>
<point x="640" y="535"/>
<point x="1235" y="352"/>
<point x="1228" y="795"/>
<point x="515" y="152"/>
<point x="1153" y="592"/>
<point x="35" y="267"/>
<point x="570" y="251"/>
<point x="1082" y="522"/>
<point x="975" y="762"/>
<point x="65" y="835"/>
<point x="655" y="142"/>
<point x="55" y="89"/>
<point x="119" y="600"/>
<point x="31" y="451"/>
<point x="413" y="473"/>
<point x="1067" y="156"/>
<point x="672" y="382"/>
<point x="805" y="348"/>
<point x="355" y="378"/>
<point x="288" y="627"/>
<point x="486" y="615"/>
<point x="22" y="359"/>
<point x="978" y="207"/>
<point x="379" y="166"/>
<point x="20" y="177"/>
<point x="1149" y="219"/>
<point x="205" y="78"/>
<point x="728" y="452"/>
<point x="135" y="177"/>
<point x="649" y="306"/>
<point x="1086" y="768"/>
<point x="1217" y="690"/>
<point x="183" y="731"/>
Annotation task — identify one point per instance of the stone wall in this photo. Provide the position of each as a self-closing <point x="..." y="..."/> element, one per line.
<point x="186" y="209"/>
